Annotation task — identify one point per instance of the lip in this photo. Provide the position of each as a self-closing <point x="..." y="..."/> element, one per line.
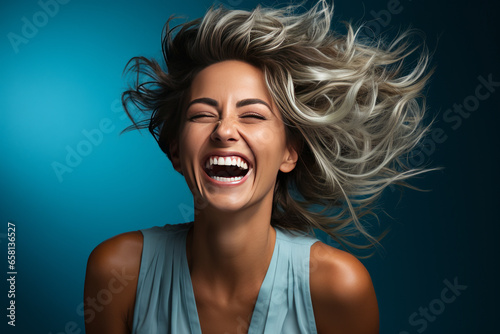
<point x="226" y="154"/>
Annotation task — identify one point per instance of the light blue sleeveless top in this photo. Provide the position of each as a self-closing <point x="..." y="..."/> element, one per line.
<point x="165" y="301"/>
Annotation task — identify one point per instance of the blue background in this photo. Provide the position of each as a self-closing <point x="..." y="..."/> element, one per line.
<point x="66" y="80"/>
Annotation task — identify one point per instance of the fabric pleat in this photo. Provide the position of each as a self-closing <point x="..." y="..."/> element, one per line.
<point x="165" y="301"/>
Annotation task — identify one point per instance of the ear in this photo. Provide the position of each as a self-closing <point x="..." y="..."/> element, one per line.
<point x="174" y="156"/>
<point x="289" y="160"/>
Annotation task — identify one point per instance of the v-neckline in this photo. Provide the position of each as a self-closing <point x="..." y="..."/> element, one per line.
<point x="262" y="297"/>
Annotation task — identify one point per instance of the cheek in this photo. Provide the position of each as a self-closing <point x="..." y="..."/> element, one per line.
<point x="270" y="136"/>
<point x="264" y="136"/>
<point x="270" y="142"/>
<point x="189" y="143"/>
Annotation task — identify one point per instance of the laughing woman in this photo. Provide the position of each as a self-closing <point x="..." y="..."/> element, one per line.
<point x="280" y="127"/>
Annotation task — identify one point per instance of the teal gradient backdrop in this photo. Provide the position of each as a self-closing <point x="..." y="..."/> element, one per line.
<point x="68" y="180"/>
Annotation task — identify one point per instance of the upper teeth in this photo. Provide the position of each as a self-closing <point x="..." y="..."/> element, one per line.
<point x="226" y="161"/>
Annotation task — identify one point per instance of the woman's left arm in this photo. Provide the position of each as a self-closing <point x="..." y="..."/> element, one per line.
<point x="342" y="293"/>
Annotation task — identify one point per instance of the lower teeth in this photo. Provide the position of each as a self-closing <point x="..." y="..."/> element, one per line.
<point x="226" y="179"/>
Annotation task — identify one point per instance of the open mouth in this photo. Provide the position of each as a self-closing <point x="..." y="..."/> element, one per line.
<point x="226" y="169"/>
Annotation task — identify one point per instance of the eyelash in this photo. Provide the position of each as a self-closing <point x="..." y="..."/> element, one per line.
<point x="253" y="115"/>
<point x="200" y="116"/>
<point x="250" y="115"/>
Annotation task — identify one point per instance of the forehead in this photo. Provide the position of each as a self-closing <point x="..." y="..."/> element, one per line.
<point x="231" y="78"/>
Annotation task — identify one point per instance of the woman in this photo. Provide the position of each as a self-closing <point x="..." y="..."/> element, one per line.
<point x="279" y="127"/>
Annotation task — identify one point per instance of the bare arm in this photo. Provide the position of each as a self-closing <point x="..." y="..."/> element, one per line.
<point x="342" y="293"/>
<point x="111" y="283"/>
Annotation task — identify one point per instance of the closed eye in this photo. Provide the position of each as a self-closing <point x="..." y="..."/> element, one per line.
<point x="203" y="118"/>
<point x="253" y="115"/>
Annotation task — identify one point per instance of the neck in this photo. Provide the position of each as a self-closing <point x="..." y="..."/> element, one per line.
<point x="231" y="250"/>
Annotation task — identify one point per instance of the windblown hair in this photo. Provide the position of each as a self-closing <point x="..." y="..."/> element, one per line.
<point x="352" y="108"/>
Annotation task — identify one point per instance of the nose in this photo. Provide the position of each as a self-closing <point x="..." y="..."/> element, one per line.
<point x="225" y="131"/>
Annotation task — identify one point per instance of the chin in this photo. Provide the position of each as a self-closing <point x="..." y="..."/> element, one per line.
<point x="226" y="206"/>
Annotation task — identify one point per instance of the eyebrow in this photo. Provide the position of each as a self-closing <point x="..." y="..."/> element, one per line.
<point x="204" y="100"/>
<point x="247" y="102"/>
<point x="239" y="104"/>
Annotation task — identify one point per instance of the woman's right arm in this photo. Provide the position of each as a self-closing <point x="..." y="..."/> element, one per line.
<point x="111" y="284"/>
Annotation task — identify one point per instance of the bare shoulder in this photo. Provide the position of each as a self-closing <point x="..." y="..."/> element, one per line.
<point x="111" y="283"/>
<point x="117" y="251"/>
<point x="342" y="292"/>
